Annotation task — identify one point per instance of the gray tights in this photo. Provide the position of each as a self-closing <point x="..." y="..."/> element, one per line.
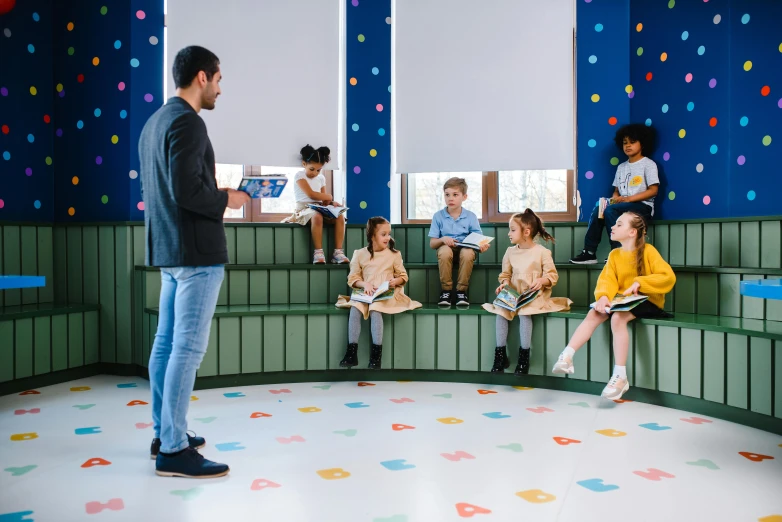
<point x="376" y="325"/>
<point x="525" y="330"/>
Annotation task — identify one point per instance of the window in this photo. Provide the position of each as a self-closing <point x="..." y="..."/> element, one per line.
<point x="267" y="209"/>
<point x="493" y="196"/>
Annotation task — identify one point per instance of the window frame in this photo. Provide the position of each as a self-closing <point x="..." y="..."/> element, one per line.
<point x="490" y="202"/>
<point x="253" y="210"/>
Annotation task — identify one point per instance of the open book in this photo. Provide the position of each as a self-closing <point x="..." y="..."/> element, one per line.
<point x="475" y="241"/>
<point x="511" y="300"/>
<point x="264" y="186"/>
<point x="328" y="211"/>
<point x="623" y="303"/>
<point x="381" y="294"/>
<point x="602" y="204"/>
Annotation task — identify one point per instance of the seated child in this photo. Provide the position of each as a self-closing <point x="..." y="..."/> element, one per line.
<point x="635" y="185"/>
<point x="525" y="266"/>
<point x="450" y="225"/>
<point x="635" y="268"/>
<point x="309" y="186"/>
<point x="370" y="267"/>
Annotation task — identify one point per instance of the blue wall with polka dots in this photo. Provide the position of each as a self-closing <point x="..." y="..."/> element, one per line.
<point x="708" y="71"/>
<point x="707" y="74"/>
<point x="79" y="79"/>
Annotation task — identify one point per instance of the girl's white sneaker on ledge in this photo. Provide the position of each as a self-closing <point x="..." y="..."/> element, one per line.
<point x="564" y="364"/>
<point x="615" y="388"/>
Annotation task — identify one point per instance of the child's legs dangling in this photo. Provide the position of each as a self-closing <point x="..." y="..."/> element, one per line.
<point x="339" y="232"/>
<point x="316" y="224"/>
<point x="502" y="330"/>
<point x="586" y="329"/>
<point x="376" y="325"/>
<point x="501" y="360"/>
<point x="525" y="331"/>
<point x="354" y="325"/>
<point x="619" y="322"/>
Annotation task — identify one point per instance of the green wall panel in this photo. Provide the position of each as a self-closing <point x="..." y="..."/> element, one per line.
<point x="750" y="244"/>
<point x="283" y="245"/>
<point x="730" y="295"/>
<point x="259" y="287"/>
<point x="264" y="241"/>
<point x="645" y="356"/>
<point x="600" y="353"/>
<point x="761" y="376"/>
<point x="29" y="247"/>
<point x="447" y="342"/>
<point x="278" y="287"/>
<point x="59" y="342"/>
<point x="43" y="344"/>
<point x="425" y="342"/>
<point x="714" y="366"/>
<point x="770" y="238"/>
<point x="694" y="246"/>
<point x="274" y="343"/>
<point x="295" y="343"/>
<point x="338" y="339"/>
<point x="556" y="340"/>
<point x="469" y="342"/>
<point x="91" y="338"/>
<point x="317" y="343"/>
<point x="730" y="244"/>
<point x="46" y="263"/>
<point x="229" y="353"/>
<point x="711" y="244"/>
<point x="75" y="341"/>
<point x="12" y="261"/>
<point x="708" y="299"/>
<point x="238" y="287"/>
<point x="581" y="358"/>
<point x="252" y="349"/>
<point x="736" y="365"/>
<point x="106" y="265"/>
<point x="691" y="362"/>
<point x="6" y="355"/>
<point x="668" y="359"/>
<point x="123" y="273"/>
<point x="245" y="246"/>
<point x="24" y="348"/>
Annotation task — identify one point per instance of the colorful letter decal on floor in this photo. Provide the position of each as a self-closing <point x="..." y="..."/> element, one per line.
<point x="259" y="414"/>
<point x="596" y="485"/>
<point x="564" y="441"/>
<point x="19" y="516"/>
<point x="114" y="504"/>
<point x="229" y="446"/>
<point x="536" y="496"/>
<point x="356" y="405"/>
<point x="400" y="401"/>
<point x="397" y="465"/>
<point x="295" y="438"/>
<point x="87" y="431"/>
<point x="654" y="474"/>
<point x="466" y="510"/>
<point x="450" y="420"/>
<point x="611" y="433"/>
<point x="514" y="447"/>
<point x="233" y="395"/>
<point x="333" y="473"/>
<point x="755" y="457"/>
<point x="705" y="463"/>
<point x="187" y="494"/>
<point x="143" y="425"/>
<point x="137" y="403"/>
<point x="16" y="437"/>
<point x="697" y="420"/>
<point x="25" y="412"/>
<point x="97" y="461"/>
<point x="347" y="433"/>
<point x="496" y="415"/>
<point x="654" y="426"/>
<point x="401" y="427"/>
<point x="18" y="472"/>
<point x="259" y="484"/>
<point x="540" y="409"/>
<point x="80" y="388"/>
<point x="457" y="456"/>
<point x="310" y="409"/>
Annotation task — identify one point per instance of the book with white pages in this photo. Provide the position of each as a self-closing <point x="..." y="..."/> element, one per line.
<point x="329" y="211"/>
<point x="475" y="241"/>
<point x="623" y="303"/>
<point x="382" y="293"/>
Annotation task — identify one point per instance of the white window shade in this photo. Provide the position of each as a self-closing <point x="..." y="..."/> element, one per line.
<point x="281" y="63"/>
<point x="483" y="85"/>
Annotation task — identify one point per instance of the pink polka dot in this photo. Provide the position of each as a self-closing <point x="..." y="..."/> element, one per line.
<point x="140" y="205"/>
<point x="2" y="203"/>
<point x="713" y="83"/>
<point x="688" y="78"/>
<point x="121" y="86"/>
<point x="141" y="14"/>
<point x="148" y="98"/>
<point x="355" y="3"/>
<point x="357" y="170"/>
<point x="741" y="160"/>
<point x="779" y="103"/>
<point x="706" y="200"/>
<point x="589" y="174"/>
<point x="667" y="156"/>
<point x="379" y="107"/>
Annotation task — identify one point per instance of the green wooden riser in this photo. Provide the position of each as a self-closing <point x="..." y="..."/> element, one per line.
<point x="695" y="292"/>
<point x="729" y="369"/>
<point x="33" y="346"/>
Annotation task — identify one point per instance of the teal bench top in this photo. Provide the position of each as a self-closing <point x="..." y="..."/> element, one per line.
<point x="8" y="313"/>
<point x="8" y="282"/>
<point x="762" y="288"/>
<point x="732" y="325"/>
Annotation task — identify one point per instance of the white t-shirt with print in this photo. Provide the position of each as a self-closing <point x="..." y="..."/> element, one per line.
<point x="634" y="178"/>
<point x="315" y="184"/>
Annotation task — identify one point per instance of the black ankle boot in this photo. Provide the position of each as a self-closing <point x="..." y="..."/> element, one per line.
<point x="501" y="360"/>
<point x="375" y="356"/>
<point x="351" y="356"/>
<point x="523" y="367"/>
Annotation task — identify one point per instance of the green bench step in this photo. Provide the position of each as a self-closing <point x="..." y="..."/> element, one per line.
<point x="40" y="339"/>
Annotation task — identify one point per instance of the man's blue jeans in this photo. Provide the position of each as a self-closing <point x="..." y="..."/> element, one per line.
<point x="188" y="296"/>
<point x="610" y="215"/>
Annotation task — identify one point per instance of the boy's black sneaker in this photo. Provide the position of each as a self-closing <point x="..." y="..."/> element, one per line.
<point x="195" y="443"/>
<point x="445" y="298"/>
<point x="461" y="299"/>
<point x="188" y="463"/>
<point x="584" y="258"/>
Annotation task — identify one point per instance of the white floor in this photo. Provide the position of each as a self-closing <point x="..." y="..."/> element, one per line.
<point x="387" y="452"/>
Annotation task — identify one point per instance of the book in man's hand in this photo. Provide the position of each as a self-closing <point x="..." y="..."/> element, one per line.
<point x="382" y="293"/>
<point x="329" y="211"/>
<point x="511" y="300"/>
<point x="475" y="241"/>
<point x="263" y="186"/>
<point x="623" y="303"/>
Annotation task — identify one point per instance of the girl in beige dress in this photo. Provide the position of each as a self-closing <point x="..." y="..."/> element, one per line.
<point x="525" y="266"/>
<point x="370" y="267"/>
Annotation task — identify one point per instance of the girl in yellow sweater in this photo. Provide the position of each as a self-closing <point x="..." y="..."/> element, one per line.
<point x="635" y="268"/>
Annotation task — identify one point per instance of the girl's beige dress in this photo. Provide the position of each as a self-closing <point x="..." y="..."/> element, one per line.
<point x="521" y="266"/>
<point x="384" y="266"/>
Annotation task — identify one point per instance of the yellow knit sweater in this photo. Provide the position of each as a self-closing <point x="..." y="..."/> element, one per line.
<point x="620" y="273"/>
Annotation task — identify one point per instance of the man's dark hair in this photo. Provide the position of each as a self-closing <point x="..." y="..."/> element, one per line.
<point x="638" y="132"/>
<point x="189" y="61"/>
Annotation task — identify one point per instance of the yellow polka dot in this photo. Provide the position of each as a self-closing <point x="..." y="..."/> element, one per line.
<point x="747" y="65"/>
<point x="363" y="204"/>
<point x="70" y="26"/>
<point x="639" y="27"/>
<point x="95" y="61"/>
<point x="59" y="87"/>
<point x="71" y="211"/>
<point x="682" y="133"/>
<point x="663" y="57"/>
<point x="595" y="98"/>
<point x="614" y="161"/>
<point x="48" y="160"/>
<point x="373" y="153"/>
<point x="115" y="139"/>
<point x="353" y="81"/>
<point x="629" y="89"/>
<point x="33" y="90"/>
<point x="780" y="48"/>
<point x="75" y="180"/>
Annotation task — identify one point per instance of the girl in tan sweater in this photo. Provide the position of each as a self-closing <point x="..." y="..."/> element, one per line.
<point x="525" y="266"/>
<point x="370" y="267"/>
<point x="635" y="268"/>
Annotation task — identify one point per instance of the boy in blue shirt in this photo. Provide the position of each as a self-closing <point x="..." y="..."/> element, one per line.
<point x="449" y="226"/>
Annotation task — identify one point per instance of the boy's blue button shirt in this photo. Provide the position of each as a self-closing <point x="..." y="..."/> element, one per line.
<point x="444" y="225"/>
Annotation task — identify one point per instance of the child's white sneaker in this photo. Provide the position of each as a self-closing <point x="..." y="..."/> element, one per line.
<point x="615" y="388"/>
<point x="564" y="364"/>
<point x="318" y="257"/>
<point x="339" y="257"/>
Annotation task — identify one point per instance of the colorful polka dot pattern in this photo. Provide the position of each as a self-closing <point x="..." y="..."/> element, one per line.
<point x="708" y="78"/>
<point x="77" y="107"/>
<point x="368" y="108"/>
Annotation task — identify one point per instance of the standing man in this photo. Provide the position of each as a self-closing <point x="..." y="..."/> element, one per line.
<point x="183" y="213"/>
